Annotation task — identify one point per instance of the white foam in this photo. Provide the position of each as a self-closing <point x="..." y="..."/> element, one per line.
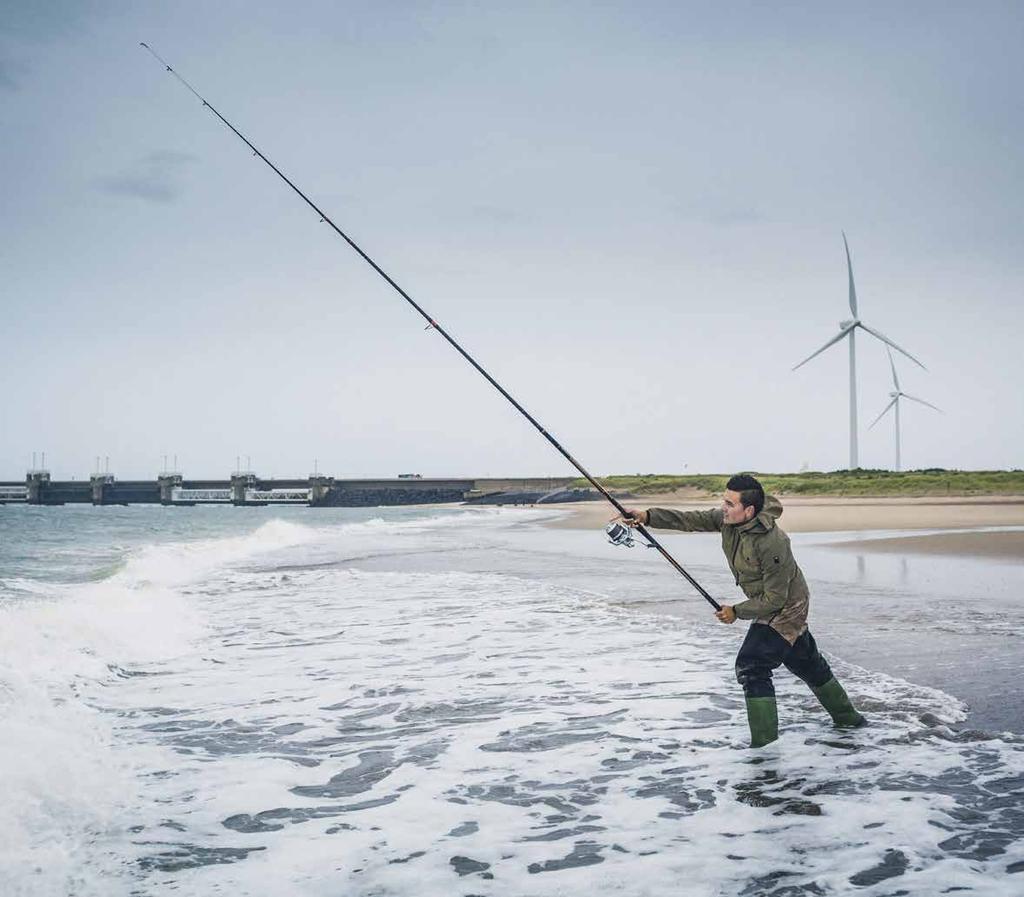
<point x="490" y="714"/>
<point x="64" y="787"/>
<point x="362" y="651"/>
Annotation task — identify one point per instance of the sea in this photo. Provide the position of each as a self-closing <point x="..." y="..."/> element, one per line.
<point x="467" y="701"/>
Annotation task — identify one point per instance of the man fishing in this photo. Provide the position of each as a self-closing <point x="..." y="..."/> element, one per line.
<point x="757" y="550"/>
<point x="759" y="555"/>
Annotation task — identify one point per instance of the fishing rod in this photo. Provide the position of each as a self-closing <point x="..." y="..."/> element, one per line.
<point x="616" y="537"/>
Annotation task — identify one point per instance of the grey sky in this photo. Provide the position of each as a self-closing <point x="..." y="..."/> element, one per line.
<point x="630" y="213"/>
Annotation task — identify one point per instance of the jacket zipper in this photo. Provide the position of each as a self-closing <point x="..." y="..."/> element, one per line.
<point x="732" y="562"/>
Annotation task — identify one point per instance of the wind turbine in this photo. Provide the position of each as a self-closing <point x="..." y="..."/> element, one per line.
<point x="895" y="403"/>
<point x="849" y="329"/>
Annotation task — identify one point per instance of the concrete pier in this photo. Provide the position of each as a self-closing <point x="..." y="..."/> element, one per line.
<point x="240" y="483"/>
<point x="101" y="483"/>
<point x="167" y="483"/>
<point x="319" y="486"/>
<point x="36" y="481"/>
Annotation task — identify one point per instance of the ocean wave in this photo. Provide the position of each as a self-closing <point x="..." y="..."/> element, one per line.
<point x="62" y="646"/>
<point x="507" y="735"/>
<point x="224" y="716"/>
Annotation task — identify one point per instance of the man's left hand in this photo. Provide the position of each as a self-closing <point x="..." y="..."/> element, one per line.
<point x="726" y="614"/>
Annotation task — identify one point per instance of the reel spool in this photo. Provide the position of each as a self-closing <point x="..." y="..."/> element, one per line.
<point x="619" y="534"/>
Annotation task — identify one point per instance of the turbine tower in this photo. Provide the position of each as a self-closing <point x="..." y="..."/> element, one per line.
<point x="895" y="403"/>
<point x="849" y="329"/>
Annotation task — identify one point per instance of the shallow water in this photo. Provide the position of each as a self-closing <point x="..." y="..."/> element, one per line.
<point x="952" y="623"/>
<point x="408" y="702"/>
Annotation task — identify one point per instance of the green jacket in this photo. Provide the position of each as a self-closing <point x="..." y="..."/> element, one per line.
<point x="761" y="561"/>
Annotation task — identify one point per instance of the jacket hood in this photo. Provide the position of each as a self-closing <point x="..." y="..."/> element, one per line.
<point x="764" y="521"/>
<point x="772" y="507"/>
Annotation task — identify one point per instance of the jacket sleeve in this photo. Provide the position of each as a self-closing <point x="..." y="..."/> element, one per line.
<point x="687" y="521"/>
<point x="777" y="571"/>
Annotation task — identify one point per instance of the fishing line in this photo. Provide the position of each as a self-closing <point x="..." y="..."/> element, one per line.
<point x="433" y="325"/>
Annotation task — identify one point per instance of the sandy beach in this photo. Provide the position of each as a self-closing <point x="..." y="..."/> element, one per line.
<point x="831" y="514"/>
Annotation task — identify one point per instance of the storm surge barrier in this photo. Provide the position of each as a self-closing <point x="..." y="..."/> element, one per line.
<point x="244" y="488"/>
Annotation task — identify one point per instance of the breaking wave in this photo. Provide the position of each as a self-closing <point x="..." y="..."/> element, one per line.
<point x="356" y="707"/>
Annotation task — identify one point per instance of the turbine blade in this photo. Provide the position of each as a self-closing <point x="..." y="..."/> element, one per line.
<point x="831" y="342"/>
<point x="923" y="402"/>
<point x="892" y="364"/>
<point x="886" y="339"/>
<point x="849" y="268"/>
<point x="887" y="407"/>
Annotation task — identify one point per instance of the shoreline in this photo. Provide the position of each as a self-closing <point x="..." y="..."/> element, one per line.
<point x="956" y="519"/>
<point x="1001" y="545"/>
<point x="912" y="590"/>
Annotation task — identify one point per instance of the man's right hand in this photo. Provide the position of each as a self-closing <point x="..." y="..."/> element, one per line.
<point x="632" y="518"/>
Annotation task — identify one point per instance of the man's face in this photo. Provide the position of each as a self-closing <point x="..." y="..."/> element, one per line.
<point x="733" y="510"/>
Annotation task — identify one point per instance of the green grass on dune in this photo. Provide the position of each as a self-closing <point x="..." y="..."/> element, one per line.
<point x="933" y="481"/>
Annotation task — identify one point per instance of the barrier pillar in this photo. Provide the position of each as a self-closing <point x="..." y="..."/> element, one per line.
<point x="36" y="482"/>
<point x="100" y="482"/>
<point x="239" y="483"/>
<point x="168" y="482"/>
<point x="319" y="486"/>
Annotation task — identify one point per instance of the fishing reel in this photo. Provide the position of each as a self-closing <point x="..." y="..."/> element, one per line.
<point x="619" y="534"/>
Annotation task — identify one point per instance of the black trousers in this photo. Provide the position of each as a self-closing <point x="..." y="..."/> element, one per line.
<point x="763" y="650"/>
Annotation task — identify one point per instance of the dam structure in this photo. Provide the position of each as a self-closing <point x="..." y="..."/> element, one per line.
<point x="248" y="489"/>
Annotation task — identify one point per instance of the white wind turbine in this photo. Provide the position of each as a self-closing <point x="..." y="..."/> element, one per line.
<point x="895" y="403"/>
<point x="849" y="329"/>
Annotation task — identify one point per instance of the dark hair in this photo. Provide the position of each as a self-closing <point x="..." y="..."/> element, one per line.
<point x="750" y="490"/>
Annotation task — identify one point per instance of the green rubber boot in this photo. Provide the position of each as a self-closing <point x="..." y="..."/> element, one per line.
<point x="763" y="718"/>
<point x="834" y="699"/>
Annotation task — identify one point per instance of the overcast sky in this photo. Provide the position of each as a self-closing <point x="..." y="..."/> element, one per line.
<point x="631" y="214"/>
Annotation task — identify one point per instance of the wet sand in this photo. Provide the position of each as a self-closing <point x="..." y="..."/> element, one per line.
<point x="1001" y="545"/>
<point x="831" y="515"/>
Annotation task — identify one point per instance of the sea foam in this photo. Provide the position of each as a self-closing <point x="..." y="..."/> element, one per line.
<point x="410" y="707"/>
